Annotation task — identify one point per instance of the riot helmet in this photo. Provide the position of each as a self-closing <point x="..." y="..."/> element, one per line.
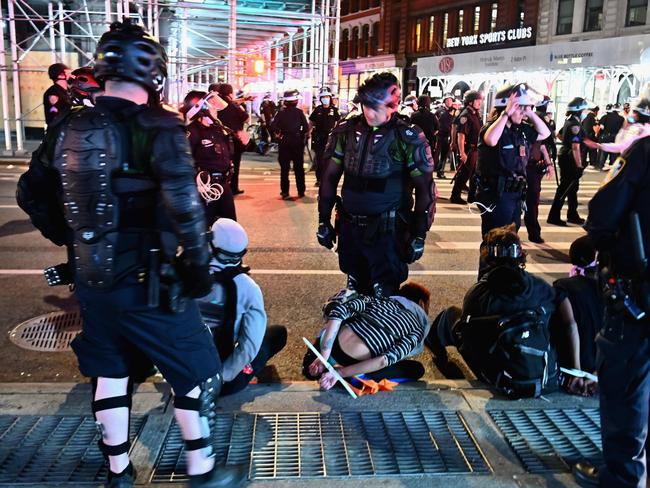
<point x="410" y="100"/>
<point x="521" y="92"/>
<point x="325" y="96"/>
<point x="127" y="52"/>
<point x="83" y="85"/>
<point x="578" y="104"/>
<point x="229" y="241"/>
<point x="197" y="104"/>
<point x="642" y="109"/>
<point x="545" y="105"/>
<point x="471" y="96"/>
<point x="291" y="97"/>
<point x="447" y="96"/>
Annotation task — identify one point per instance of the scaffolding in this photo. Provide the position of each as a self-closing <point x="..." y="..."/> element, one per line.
<point x="207" y="41"/>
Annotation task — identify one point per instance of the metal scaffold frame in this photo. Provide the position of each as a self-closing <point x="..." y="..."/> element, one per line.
<point x="206" y="40"/>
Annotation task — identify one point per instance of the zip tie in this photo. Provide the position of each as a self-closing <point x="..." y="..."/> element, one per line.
<point x="210" y="192"/>
<point x="485" y="210"/>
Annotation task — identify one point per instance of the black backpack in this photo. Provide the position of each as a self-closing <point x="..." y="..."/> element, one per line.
<point x="513" y="353"/>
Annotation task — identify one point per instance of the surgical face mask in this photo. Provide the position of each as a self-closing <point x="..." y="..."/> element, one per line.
<point x="583" y="115"/>
<point x="325" y="100"/>
<point x="631" y="119"/>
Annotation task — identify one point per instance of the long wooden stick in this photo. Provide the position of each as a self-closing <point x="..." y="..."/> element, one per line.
<point x="329" y="367"/>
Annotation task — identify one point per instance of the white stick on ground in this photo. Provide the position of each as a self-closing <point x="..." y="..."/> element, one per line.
<point x="329" y="367"/>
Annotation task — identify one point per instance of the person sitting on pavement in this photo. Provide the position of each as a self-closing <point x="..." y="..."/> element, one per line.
<point x="579" y="316"/>
<point x="502" y="331"/>
<point x="234" y="310"/>
<point x="372" y="336"/>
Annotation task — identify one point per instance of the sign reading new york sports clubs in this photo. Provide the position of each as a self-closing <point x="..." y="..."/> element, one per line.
<point x="446" y="64"/>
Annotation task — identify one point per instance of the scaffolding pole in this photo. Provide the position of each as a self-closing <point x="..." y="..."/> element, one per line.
<point x="4" y="87"/>
<point x="232" y="42"/>
<point x="337" y="42"/>
<point x="50" y="17"/>
<point x="15" y="76"/>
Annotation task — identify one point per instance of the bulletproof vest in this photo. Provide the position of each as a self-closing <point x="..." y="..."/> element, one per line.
<point x="211" y="148"/>
<point x="367" y="152"/>
<point x="91" y="149"/>
<point x="505" y="158"/>
<point x="219" y="311"/>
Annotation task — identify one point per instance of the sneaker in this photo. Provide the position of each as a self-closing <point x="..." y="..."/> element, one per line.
<point x="458" y="200"/>
<point x="556" y="221"/>
<point x="536" y="239"/>
<point x="220" y="476"/>
<point x="575" y="219"/>
<point x="125" y="479"/>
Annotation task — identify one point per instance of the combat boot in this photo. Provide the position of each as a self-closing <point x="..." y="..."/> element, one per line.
<point x="220" y="476"/>
<point x="125" y="479"/>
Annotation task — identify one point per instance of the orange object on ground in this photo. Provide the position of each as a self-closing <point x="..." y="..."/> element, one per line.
<point x="370" y="387"/>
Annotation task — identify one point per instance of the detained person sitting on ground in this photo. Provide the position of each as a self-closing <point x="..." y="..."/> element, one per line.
<point x="372" y="336"/>
<point x="502" y="331"/>
<point x="234" y="310"/>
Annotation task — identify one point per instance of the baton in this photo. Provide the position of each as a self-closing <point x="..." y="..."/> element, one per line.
<point x="329" y="368"/>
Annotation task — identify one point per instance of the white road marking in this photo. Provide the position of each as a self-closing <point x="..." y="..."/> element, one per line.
<point x="467" y="228"/>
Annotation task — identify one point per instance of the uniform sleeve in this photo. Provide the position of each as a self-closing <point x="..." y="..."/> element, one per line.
<point x="576" y="135"/>
<point x="275" y="123"/>
<point x="334" y="154"/>
<point x="313" y="116"/>
<point x="305" y="124"/>
<point x="345" y="310"/>
<point x="530" y="133"/>
<point x="251" y="329"/>
<point x="463" y="124"/>
<point x="610" y="204"/>
<point x="420" y="166"/>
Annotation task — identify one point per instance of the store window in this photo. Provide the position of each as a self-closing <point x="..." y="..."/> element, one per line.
<point x="354" y="51"/>
<point x="493" y="17"/>
<point x="477" y="19"/>
<point x="416" y="36"/>
<point x="345" y="7"/>
<point x="365" y="41"/>
<point x="520" y="12"/>
<point x="593" y="15"/>
<point x="564" y="17"/>
<point x="394" y="36"/>
<point x="345" y="43"/>
<point x="432" y="33"/>
<point x="354" y="6"/>
<point x="459" y="25"/>
<point x="445" y="30"/>
<point x="363" y="4"/>
<point x="636" y="12"/>
<point x="374" y="40"/>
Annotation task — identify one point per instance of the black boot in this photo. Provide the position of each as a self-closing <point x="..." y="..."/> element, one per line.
<point x="586" y="474"/>
<point x="220" y="476"/>
<point x="125" y="479"/>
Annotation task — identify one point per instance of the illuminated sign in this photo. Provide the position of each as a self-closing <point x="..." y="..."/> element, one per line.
<point x="509" y="35"/>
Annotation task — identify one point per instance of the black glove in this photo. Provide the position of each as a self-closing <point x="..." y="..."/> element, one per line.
<point x="326" y="235"/>
<point x="196" y="278"/>
<point x="61" y="274"/>
<point x="415" y="249"/>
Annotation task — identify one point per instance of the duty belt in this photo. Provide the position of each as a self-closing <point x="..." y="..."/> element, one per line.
<point x="385" y="220"/>
<point x="508" y="184"/>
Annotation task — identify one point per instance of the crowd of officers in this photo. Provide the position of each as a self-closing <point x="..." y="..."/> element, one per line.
<point x="386" y="152"/>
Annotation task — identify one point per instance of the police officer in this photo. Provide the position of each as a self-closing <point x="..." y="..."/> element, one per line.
<point x="469" y="126"/>
<point x="56" y="99"/>
<point x="321" y="122"/>
<point x="445" y="117"/>
<point x="610" y="123"/>
<point x="545" y="109"/>
<point x="426" y="120"/>
<point x="267" y="112"/>
<point x="409" y="106"/>
<point x="291" y="127"/>
<point x="571" y="159"/>
<point x="83" y="87"/>
<point x="591" y="128"/>
<point x="623" y="343"/>
<point x="116" y="181"/>
<point x="211" y="144"/>
<point x="503" y="152"/>
<point x="381" y="158"/>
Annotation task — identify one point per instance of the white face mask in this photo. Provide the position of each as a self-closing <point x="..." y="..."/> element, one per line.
<point x="325" y="100"/>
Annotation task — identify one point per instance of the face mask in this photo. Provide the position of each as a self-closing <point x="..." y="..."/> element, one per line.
<point x="583" y="116"/>
<point x="631" y="119"/>
<point x="325" y="100"/>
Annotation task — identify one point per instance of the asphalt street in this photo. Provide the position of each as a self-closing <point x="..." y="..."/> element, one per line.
<point x="296" y="274"/>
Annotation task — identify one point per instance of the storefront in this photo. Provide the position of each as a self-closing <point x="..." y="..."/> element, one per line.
<point x="601" y="70"/>
<point x="354" y="73"/>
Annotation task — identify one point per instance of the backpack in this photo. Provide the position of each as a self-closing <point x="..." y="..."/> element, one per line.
<point x="513" y="353"/>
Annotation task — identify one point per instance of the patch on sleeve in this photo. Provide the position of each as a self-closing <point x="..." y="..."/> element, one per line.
<point x="616" y="169"/>
<point x="575" y="129"/>
<point x="463" y="120"/>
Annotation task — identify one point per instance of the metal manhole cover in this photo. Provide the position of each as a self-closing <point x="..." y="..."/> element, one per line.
<point x="53" y="449"/>
<point x="47" y="333"/>
<point x="335" y="445"/>
<point x="552" y="440"/>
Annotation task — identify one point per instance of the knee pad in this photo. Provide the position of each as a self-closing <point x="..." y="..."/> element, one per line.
<point x="206" y="406"/>
<point x="124" y="401"/>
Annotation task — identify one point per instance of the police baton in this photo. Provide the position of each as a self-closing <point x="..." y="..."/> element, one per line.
<point x="557" y="181"/>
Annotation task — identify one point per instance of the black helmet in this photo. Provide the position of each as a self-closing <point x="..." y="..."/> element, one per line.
<point x="521" y="92"/>
<point x="543" y="104"/>
<point x="643" y="108"/>
<point x="471" y="96"/>
<point x="83" y="85"/>
<point x="578" y="104"/>
<point x="127" y="52"/>
<point x="194" y="104"/>
<point x="501" y="96"/>
<point x="447" y="96"/>
<point x="56" y="70"/>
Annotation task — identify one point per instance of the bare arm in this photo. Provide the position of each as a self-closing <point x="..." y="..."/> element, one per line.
<point x="495" y="131"/>
<point x="569" y="326"/>
<point x="577" y="157"/>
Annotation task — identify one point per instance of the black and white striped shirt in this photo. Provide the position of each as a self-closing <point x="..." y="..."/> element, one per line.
<point x="383" y="324"/>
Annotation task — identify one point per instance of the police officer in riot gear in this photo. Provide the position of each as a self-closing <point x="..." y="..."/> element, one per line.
<point x="619" y="226"/>
<point x="445" y="117"/>
<point x="291" y="127"/>
<point x="379" y="227"/>
<point x="56" y="100"/>
<point x="469" y="126"/>
<point x="321" y="122"/>
<point x="426" y="120"/>
<point x="83" y="87"/>
<point x="503" y="151"/>
<point x="211" y="144"/>
<point x="571" y="159"/>
<point x="116" y="182"/>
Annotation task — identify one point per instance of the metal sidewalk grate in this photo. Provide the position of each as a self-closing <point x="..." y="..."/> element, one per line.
<point x="52" y="449"/>
<point x="336" y="445"/>
<point x="551" y="441"/>
<point x="51" y="332"/>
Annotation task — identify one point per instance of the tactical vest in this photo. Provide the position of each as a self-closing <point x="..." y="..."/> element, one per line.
<point x="92" y="149"/>
<point x="498" y="161"/>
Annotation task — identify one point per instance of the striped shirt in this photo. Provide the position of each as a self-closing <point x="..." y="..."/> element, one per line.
<point x="384" y="325"/>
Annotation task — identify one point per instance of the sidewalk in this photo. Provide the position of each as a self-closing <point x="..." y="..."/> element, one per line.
<point x="293" y="435"/>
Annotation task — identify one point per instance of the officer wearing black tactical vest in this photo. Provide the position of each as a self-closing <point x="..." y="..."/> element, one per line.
<point x="571" y="160"/>
<point x="469" y="126"/>
<point x="382" y="159"/>
<point x="503" y="151"/>
<point x="619" y="226"/>
<point x="117" y="183"/>
<point x="212" y="146"/>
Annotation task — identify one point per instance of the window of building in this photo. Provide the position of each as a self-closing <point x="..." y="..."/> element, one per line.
<point x="345" y="42"/>
<point x="365" y="41"/>
<point x="394" y="36"/>
<point x="416" y="36"/>
<point x="636" y="12"/>
<point x="459" y="26"/>
<point x="493" y="17"/>
<point x="354" y="50"/>
<point x="564" y="17"/>
<point x="445" y="30"/>
<point x="374" y="42"/>
<point x="345" y="7"/>
<point x="354" y="6"/>
<point x="432" y="33"/>
<point x="593" y="15"/>
<point x="477" y="19"/>
<point x="374" y="3"/>
<point x="520" y="13"/>
<point x="363" y="4"/>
